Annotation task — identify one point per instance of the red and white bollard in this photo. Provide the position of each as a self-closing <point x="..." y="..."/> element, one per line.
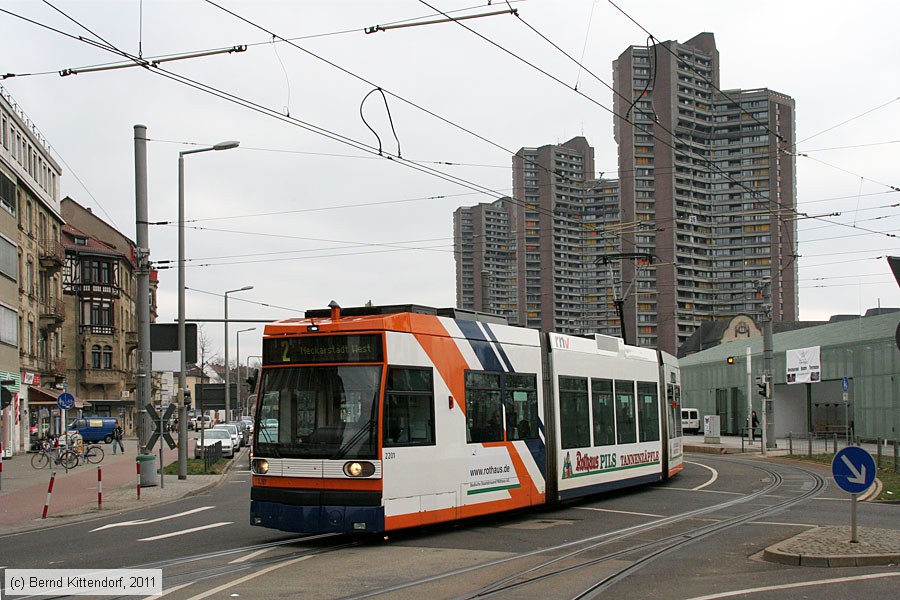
<point x="99" y="488"/>
<point x="49" y="493"/>
<point x="138" y="463"/>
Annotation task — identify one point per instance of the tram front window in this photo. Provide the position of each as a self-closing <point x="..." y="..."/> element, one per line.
<point x="319" y="412"/>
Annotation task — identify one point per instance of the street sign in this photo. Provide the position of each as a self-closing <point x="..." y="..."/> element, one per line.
<point x="158" y="424"/>
<point x="853" y="469"/>
<point x="66" y="401"/>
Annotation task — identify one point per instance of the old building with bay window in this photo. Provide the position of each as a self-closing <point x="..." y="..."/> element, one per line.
<point x="101" y="335"/>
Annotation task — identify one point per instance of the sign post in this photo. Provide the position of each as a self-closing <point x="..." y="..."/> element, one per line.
<point x="854" y="471"/>
<point x="65" y="401"/>
<point x="845" y="389"/>
<point x="159" y="421"/>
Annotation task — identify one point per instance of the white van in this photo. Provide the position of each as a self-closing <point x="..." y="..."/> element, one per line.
<point x="690" y="421"/>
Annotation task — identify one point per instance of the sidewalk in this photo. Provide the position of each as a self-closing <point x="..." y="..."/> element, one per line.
<point x="819" y="546"/>
<point x="75" y="494"/>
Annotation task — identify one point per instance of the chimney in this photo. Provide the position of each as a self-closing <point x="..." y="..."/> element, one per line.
<point x="335" y="310"/>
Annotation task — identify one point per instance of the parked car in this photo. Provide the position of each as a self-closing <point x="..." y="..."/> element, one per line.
<point x="242" y="430"/>
<point x="94" y="429"/>
<point x="200" y="422"/>
<point x="249" y="421"/>
<point x="233" y="430"/>
<point x="214" y="436"/>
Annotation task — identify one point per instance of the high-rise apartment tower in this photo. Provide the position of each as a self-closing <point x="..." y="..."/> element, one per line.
<point x="710" y="175"/>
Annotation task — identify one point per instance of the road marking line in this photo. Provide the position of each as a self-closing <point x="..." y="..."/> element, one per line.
<point x="678" y="489"/>
<point x="249" y="556"/>
<point x="800" y="584"/>
<point x="715" y="474"/>
<point x="245" y="578"/>
<point x="168" y="591"/>
<point x="621" y="512"/>
<point x="145" y="522"/>
<point x="185" y="531"/>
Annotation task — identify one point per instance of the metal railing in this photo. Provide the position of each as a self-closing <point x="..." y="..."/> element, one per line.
<point x="885" y="452"/>
<point x="211" y="455"/>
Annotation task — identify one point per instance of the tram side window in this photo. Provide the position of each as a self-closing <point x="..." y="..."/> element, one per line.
<point x="409" y="407"/>
<point x="484" y="413"/>
<point x="521" y="406"/>
<point x="673" y="411"/>
<point x="574" y="420"/>
<point x="648" y="411"/>
<point x="604" y="412"/>
<point x="625" y="418"/>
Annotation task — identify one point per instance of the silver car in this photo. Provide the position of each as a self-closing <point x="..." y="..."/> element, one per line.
<point x="215" y="436"/>
<point x="233" y="430"/>
<point x="242" y="430"/>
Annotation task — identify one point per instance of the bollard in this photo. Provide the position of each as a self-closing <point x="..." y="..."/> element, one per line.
<point x="49" y="492"/>
<point x="138" y="463"/>
<point x="99" y="488"/>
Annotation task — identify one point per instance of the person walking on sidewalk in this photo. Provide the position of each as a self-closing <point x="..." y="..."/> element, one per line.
<point x="754" y="425"/>
<point x="118" y="434"/>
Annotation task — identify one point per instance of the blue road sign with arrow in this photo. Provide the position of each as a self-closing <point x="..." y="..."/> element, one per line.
<point x="853" y="469"/>
<point x="66" y="401"/>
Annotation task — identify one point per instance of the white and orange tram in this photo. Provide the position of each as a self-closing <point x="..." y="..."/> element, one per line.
<point x="382" y="418"/>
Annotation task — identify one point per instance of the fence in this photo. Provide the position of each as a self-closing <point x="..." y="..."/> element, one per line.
<point x="885" y="452"/>
<point x="211" y="455"/>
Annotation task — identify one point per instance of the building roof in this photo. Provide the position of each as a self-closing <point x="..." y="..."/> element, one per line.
<point x="829" y="334"/>
<point x="91" y="246"/>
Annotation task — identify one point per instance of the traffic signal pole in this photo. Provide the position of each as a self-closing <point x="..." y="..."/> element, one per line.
<point x="767" y="413"/>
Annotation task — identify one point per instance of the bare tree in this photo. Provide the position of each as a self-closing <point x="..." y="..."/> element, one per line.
<point x="205" y="351"/>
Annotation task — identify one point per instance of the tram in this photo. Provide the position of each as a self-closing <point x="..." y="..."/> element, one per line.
<point x="375" y="419"/>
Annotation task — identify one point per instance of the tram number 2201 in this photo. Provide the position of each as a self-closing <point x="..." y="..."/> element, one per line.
<point x="388" y="455"/>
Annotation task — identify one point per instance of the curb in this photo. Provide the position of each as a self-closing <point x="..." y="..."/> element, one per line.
<point x="90" y="512"/>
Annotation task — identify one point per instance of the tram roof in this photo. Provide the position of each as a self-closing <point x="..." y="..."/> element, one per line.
<point x="389" y="317"/>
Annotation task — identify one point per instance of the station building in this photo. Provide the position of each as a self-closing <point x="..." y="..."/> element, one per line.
<point x="863" y="350"/>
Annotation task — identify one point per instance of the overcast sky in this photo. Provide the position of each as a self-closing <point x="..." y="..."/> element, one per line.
<point x="306" y="218"/>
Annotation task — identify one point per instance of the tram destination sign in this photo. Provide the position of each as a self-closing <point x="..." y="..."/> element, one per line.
<point x="323" y="349"/>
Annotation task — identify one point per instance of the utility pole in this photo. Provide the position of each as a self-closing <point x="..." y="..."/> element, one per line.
<point x="768" y="415"/>
<point x="142" y="253"/>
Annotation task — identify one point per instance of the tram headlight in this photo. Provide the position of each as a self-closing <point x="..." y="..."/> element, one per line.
<point x="259" y="466"/>
<point x="358" y="469"/>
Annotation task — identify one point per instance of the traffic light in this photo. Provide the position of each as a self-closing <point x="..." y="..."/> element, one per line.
<point x="730" y="360"/>
<point x="764" y="387"/>
<point x="5" y="398"/>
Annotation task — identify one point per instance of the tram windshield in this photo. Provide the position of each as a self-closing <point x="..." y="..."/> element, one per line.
<point x="324" y="412"/>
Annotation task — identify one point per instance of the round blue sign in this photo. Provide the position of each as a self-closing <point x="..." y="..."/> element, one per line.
<point x="66" y="401"/>
<point x="853" y="469"/>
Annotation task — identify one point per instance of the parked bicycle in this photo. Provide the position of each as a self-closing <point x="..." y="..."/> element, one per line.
<point x="57" y="455"/>
<point x="91" y="454"/>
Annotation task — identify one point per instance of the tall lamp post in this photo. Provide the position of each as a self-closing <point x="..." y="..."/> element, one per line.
<point x="227" y="374"/>
<point x="182" y="378"/>
<point x="237" y="337"/>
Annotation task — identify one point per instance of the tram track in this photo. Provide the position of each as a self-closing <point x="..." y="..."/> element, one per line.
<point x="637" y="555"/>
<point x="179" y="573"/>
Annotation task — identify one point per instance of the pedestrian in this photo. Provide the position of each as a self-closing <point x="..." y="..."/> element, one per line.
<point x="118" y="434"/>
<point x="754" y="423"/>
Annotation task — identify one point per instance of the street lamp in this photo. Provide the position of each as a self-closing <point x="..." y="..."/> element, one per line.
<point x="237" y="337"/>
<point x="227" y="375"/>
<point x="182" y="377"/>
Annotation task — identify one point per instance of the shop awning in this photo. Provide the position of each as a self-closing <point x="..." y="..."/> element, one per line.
<point x="46" y="396"/>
